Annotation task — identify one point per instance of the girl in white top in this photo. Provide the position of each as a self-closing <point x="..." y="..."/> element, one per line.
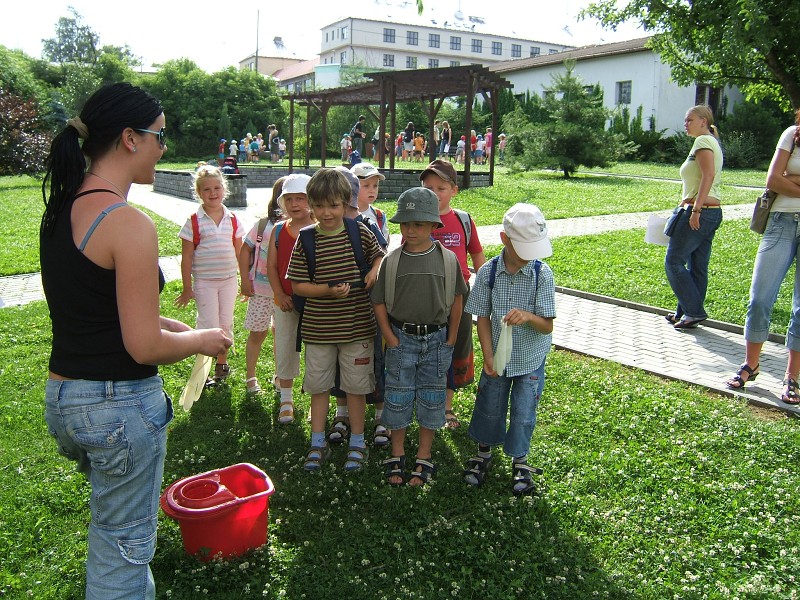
<point x="211" y="241"/>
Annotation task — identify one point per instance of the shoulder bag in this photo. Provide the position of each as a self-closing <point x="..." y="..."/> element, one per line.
<point x="758" y="222"/>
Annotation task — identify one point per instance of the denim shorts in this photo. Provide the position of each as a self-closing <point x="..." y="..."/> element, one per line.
<point x="116" y="432"/>
<point x="416" y="369"/>
<point x="488" y="424"/>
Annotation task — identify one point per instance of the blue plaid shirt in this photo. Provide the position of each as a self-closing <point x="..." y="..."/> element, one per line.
<point x="520" y="290"/>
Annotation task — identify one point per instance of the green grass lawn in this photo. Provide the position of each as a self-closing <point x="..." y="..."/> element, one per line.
<point x="652" y="489"/>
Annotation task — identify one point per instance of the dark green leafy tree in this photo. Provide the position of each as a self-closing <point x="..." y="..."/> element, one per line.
<point x="193" y="103"/>
<point x="23" y="142"/>
<point x="572" y="134"/>
<point x="74" y="42"/>
<point x="749" y="43"/>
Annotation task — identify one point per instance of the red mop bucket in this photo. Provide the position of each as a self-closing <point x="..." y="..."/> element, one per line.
<point x="225" y="511"/>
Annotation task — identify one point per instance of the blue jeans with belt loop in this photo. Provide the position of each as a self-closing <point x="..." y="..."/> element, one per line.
<point x="686" y="263"/>
<point x="779" y="248"/>
<point x="116" y="431"/>
<point x="488" y="424"/>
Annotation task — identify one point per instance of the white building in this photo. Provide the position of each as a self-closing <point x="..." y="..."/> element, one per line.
<point x="375" y="44"/>
<point x="630" y="75"/>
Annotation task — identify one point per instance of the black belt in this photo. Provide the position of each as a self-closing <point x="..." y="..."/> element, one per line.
<point x="415" y="328"/>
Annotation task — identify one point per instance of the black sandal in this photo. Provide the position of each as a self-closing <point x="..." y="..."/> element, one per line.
<point x="790" y="394"/>
<point x="425" y="473"/>
<point x="339" y="432"/>
<point x="737" y="382"/>
<point x="395" y="467"/>
<point x="477" y="469"/>
<point x="671" y="318"/>
<point x="522" y="474"/>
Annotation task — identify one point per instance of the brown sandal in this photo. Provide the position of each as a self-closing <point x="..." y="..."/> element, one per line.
<point x="451" y="420"/>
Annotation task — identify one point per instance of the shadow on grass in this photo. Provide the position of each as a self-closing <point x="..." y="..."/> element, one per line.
<point x="354" y="535"/>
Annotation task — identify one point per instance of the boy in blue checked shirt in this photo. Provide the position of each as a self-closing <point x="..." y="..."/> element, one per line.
<point x="515" y="290"/>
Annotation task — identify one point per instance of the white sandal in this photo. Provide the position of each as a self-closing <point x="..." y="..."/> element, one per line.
<point x="254" y="388"/>
<point x="286" y="413"/>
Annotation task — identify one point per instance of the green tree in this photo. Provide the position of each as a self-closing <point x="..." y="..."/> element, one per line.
<point x="74" y="42"/>
<point x="749" y="43"/>
<point x="573" y="133"/>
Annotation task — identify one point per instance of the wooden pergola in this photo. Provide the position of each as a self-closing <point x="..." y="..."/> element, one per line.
<point x="429" y="87"/>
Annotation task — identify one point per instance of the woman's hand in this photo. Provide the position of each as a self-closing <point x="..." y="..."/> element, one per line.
<point x="694" y="220"/>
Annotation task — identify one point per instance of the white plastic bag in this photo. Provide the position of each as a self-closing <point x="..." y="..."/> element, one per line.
<point x="655" y="231"/>
<point x="502" y="353"/>
<point x="197" y="381"/>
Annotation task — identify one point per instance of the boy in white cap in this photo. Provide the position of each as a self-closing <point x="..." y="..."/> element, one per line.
<point x="370" y="178"/>
<point x="417" y="301"/>
<point x="513" y="295"/>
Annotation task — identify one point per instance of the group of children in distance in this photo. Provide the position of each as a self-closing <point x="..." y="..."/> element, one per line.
<point x="316" y="269"/>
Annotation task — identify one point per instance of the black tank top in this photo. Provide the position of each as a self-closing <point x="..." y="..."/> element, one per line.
<point x="82" y="297"/>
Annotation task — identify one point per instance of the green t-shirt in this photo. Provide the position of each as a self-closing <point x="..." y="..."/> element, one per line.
<point x="690" y="170"/>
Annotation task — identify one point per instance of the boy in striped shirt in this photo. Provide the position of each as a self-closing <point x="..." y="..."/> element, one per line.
<point x="338" y="324"/>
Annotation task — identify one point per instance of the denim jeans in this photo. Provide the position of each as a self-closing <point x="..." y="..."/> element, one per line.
<point x="416" y="369"/>
<point x="488" y="424"/>
<point x="116" y="431"/>
<point x="686" y="263"/>
<point x="778" y="250"/>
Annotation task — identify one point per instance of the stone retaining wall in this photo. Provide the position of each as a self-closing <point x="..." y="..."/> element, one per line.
<point x="179" y="183"/>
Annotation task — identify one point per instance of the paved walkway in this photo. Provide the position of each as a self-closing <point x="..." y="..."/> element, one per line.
<point x="634" y="335"/>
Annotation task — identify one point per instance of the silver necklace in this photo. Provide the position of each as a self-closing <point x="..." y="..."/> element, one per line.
<point x="121" y="194"/>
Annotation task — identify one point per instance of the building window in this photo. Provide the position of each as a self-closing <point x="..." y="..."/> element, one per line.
<point x="326" y="37"/>
<point x="388" y="35"/>
<point x="343" y="58"/>
<point x="516" y="50"/>
<point x="433" y="63"/>
<point x="412" y="38"/>
<point x="455" y="63"/>
<point x="552" y="51"/>
<point x="455" y="42"/>
<point x="411" y="62"/>
<point x="388" y="60"/>
<point x="623" y="92"/>
<point x="477" y="46"/>
<point x="433" y="40"/>
<point x="497" y="48"/>
<point x="344" y="32"/>
<point x="535" y="51"/>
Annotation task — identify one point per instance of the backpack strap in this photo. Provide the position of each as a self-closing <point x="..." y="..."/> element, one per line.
<point x="379" y="217"/>
<point x="235" y="225"/>
<point x="354" y="235"/>
<point x="392" y="260"/>
<point x="195" y="230"/>
<point x="493" y="271"/>
<point x="389" y="266"/>
<point x="278" y="228"/>
<point x="466" y="224"/>
<point x="537" y="267"/>
<point x="262" y="225"/>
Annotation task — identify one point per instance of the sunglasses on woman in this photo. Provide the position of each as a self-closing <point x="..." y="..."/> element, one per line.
<point x="161" y="134"/>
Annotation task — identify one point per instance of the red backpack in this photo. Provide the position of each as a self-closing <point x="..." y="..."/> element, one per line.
<point x="196" y="229"/>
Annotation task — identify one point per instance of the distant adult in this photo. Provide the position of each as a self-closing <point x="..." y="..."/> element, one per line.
<point x="358" y="134"/>
<point x="689" y="249"/>
<point x="487" y="149"/>
<point x="779" y="249"/>
<point x="436" y="138"/>
<point x="105" y="402"/>
<point x="446" y="136"/>
<point x="408" y="141"/>
<point x="274" y="144"/>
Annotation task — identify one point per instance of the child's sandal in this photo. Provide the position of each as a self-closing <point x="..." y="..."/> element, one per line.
<point x="252" y="386"/>
<point x="339" y="431"/>
<point x="286" y="413"/>
<point x="395" y="467"/>
<point x="477" y="469"/>
<point x="522" y="483"/>
<point x="356" y="459"/>
<point x="425" y="473"/>
<point x="316" y="457"/>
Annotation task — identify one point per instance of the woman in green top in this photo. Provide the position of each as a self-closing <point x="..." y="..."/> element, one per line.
<point x="689" y="250"/>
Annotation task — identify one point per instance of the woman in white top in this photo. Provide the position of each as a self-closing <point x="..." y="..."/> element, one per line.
<point x="778" y="250"/>
<point x="689" y="250"/>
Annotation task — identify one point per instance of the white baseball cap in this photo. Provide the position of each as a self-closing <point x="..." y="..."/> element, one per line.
<point x="525" y="226"/>
<point x="365" y="170"/>
<point x="295" y="184"/>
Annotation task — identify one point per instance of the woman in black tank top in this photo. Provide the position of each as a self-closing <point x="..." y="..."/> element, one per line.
<point x="105" y="404"/>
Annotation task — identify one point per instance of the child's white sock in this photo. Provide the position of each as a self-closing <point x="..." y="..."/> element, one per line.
<point x="286" y="395"/>
<point x="341" y="411"/>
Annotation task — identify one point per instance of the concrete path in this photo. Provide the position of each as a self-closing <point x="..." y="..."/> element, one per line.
<point x="634" y="335"/>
